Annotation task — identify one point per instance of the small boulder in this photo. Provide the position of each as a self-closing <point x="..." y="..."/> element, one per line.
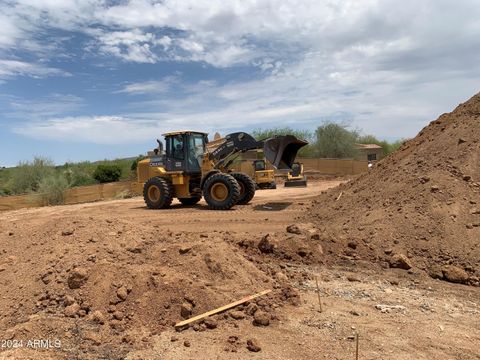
<point x="210" y="323"/>
<point x="303" y="251"/>
<point x="77" y="278"/>
<point x="67" y="232"/>
<point x="122" y="293"/>
<point x="353" y="278"/>
<point x="118" y="315"/>
<point x="237" y="315"/>
<point x="352" y="244"/>
<point x="293" y="229"/>
<point x="253" y="345"/>
<point x="68" y="300"/>
<point x="400" y="261"/>
<point x="261" y="318"/>
<point x="72" y="310"/>
<point x="184" y="249"/>
<point x="186" y="310"/>
<point x="455" y="274"/>
<point x="265" y="245"/>
<point x="98" y="317"/>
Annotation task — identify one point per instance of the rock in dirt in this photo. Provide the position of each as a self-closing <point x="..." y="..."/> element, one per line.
<point x="77" y="278"/>
<point x="186" y="343"/>
<point x="210" y="323"/>
<point x="261" y="318"/>
<point x="186" y="310"/>
<point x="122" y="293"/>
<point x="293" y="229"/>
<point x="353" y="278"/>
<point x="184" y="249"/>
<point x="118" y="315"/>
<point x="455" y="274"/>
<point x="68" y="300"/>
<point x="281" y="276"/>
<point x="98" y="317"/>
<point x="72" y="310"/>
<point x="265" y="245"/>
<point x="303" y="251"/>
<point x="67" y="232"/>
<point x="253" y="345"/>
<point x="237" y="315"/>
<point x="389" y="308"/>
<point x="400" y="261"/>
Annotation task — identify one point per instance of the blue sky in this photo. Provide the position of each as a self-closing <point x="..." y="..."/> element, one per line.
<point x="88" y="80"/>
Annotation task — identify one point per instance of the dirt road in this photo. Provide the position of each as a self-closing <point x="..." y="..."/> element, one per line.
<point x="110" y="279"/>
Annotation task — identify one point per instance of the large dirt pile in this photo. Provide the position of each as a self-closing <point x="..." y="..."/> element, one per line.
<point x="419" y="207"/>
<point x="104" y="285"/>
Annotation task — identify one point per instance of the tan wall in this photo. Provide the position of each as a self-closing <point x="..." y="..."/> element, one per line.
<point x="74" y="195"/>
<point x="335" y="166"/>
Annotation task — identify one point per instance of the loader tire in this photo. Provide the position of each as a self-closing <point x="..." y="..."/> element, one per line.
<point x="221" y="191"/>
<point x="190" y="201"/>
<point x="247" y="187"/>
<point x="158" y="193"/>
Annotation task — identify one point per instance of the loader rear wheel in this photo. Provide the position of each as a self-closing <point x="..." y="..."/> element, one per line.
<point x="190" y="201"/>
<point x="247" y="187"/>
<point x="158" y="193"/>
<point x="221" y="191"/>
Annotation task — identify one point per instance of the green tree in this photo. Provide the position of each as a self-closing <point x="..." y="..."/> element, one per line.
<point x="335" y="141"/>
<point x="107" y="173"/>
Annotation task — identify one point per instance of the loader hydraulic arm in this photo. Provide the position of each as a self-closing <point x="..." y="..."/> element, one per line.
<point x="234" y="143"/>
<point x="280" y="150"/>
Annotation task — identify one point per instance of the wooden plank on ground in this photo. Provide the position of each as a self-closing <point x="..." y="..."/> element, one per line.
<point x="220" y="309"/>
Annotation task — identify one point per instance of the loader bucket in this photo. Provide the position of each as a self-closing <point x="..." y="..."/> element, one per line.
<point x="281" y="150"/>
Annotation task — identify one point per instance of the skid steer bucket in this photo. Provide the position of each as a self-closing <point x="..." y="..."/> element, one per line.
<point x="281" y="150"/>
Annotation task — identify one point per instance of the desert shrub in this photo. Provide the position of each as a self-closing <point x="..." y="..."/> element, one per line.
<point x="52" y="189"/>
<point x="107" y="173"/>
<point x="28" y="175"/>
<point x="77" y="176"/>
<point x="135" y="162"/>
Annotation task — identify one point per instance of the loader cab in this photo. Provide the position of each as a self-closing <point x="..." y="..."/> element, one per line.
<point x="259" y="165"/>
<point x="184" y="151"/>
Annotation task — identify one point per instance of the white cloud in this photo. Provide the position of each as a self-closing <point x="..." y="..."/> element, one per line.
<point x="9" y="68"/>
<point x="150" y="87"/>
<point x="47" y="106"/>
<point x="389" y="66"/>
<point x="90" y="129"/>
<point x="128" y="45"/>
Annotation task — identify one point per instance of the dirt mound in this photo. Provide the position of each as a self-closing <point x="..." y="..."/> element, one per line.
<point x="113" y="283"/>
<point x="418" y="208"/>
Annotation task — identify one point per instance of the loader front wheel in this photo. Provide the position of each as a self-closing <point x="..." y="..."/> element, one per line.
<point x="158" y="193"/>
<point x="221" y="191"/>
<point x="247" y="187"/>
<point x="190" y="201"/>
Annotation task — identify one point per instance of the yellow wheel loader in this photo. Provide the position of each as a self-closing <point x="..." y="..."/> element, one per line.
<point x="295" y="176"/>
<point x="253" y="163"/>
<point x="191" y="167"/>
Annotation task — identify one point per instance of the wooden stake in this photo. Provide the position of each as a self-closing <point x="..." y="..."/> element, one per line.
<point x="318" y="294"/>
<point x="339" y="196"/>
<point x="220" y="309"/>
<point x="356" y="348"/>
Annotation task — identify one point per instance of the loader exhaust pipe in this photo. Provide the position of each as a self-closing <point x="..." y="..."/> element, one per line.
<point x="281" y="150"/>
